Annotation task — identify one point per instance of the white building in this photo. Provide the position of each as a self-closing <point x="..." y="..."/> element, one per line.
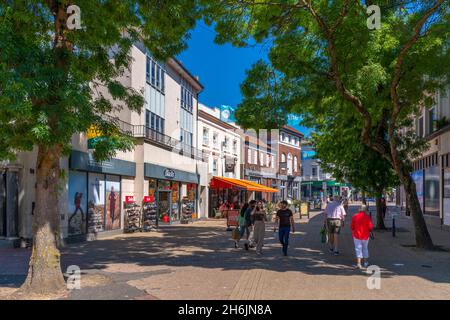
<point x="432" y="168"/>
<point x="220" y="142"/>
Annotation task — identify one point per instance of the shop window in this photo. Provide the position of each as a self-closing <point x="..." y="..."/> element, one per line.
<point x="175" y="200"/>
<point x="77" y="206"/>
<point x="112" y="203"/>
<point x="96" y="202"/>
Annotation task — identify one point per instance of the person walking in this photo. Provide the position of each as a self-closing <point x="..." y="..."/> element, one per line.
<point x="259" y="217"/>
<point x="334" y="221"/>
<point x="249" y="222"/>
<point x="345" y="204"/>
<point x="242" y="222"/>
<point x="284" y="219"/>
<point x="361" y="228"/>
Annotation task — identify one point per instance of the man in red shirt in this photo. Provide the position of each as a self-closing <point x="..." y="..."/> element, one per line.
<point x="361" y="227"/>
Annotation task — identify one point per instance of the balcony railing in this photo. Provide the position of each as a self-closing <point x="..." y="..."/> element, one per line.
<point x="168" y="143"/>
<point x="158" y="139"/>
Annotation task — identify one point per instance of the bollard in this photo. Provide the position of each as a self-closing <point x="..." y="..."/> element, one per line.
<point x="393" y="226"/>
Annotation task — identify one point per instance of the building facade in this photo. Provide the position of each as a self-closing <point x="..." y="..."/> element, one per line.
<point x="260" y="162"/>
<point x="289" y="173"/>
<point x="432" y="169"/>
<point x="220" y="142"/>
<point x="166" y="165"/>
<point x="316" y="182"/>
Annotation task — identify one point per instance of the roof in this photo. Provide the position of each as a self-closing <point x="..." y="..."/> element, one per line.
<point x="293" y="130"/>
<point x="188" y="73"/>
<point x="204" y="115"/>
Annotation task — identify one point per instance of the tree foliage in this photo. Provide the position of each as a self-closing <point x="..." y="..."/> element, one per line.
<point x="324" y="61"/>
<point x="49" y="90"/>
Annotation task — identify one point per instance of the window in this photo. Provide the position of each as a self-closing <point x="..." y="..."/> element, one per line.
<point x="249" y="156"/>
<point x="261" y="159"/>
<point x="289" y="163"/>
<point x="205" y="136"/>
<point x="301" y="171"/>
<point x="268" y="160"/>
<point x="314" y="171"/>
<point x="187" y="97"/>
<point x="255" y="157"/>
<point x="432" y="120"/>
<point x="295" y="163"/>
<point x="225" y="143"/>
<point x="215" y="139"/>
<point x="215" y="167"/>
<point x="155" y="74"/>
<point x="154" y="121"/>
<point x="273" y="162"/>
<point x="234" y="146"/>
<point x="419" y="127"/>
<point x="283" y="157"/>
<point x="282" y="137"/>
<point x="186" y="138"/>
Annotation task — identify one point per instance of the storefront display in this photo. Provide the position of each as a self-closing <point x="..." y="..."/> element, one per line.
<point x="132" y="215"/>
<point x="112" y="203"/>
<point x="77" y="206"/>
<point x="96" y="202"/>
<point x="432" y="193"/>
<point x="175" y="201"/>
<point x="149" y="213"/>
<point x="172" y="189"/>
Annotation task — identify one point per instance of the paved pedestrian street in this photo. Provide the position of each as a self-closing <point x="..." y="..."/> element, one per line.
<point x="198" y="261"/>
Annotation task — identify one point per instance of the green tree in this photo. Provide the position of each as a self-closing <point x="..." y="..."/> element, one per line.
<point x="323" y="54"/>
<point x="48" y="78"/>
<point x="342" y="154"/>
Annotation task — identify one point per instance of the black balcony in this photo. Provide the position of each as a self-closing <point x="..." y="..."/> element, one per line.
<point x="157" y="138"/>
<point x="166" y="142"/>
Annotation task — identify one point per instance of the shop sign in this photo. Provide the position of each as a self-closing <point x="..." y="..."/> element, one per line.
<point x="149" y="199"/>
<point x="169" y="173"/>
<point x="130" y="199"/>
<point x="232" y="218"/>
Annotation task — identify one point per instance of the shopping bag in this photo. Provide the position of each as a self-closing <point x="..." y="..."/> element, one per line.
<point x="324" y="235"/>
<point x="235" y="234"/>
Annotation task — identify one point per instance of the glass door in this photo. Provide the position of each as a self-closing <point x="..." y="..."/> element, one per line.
<point x="165" y="206"/>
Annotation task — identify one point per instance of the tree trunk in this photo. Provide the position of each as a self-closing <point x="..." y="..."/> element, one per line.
<point x="44" y="273"/>
<point x="423" y="238"/>
<point x="380" y="219"/>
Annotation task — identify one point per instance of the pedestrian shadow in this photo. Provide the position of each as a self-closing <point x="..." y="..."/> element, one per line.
<point x="210" y="247"/>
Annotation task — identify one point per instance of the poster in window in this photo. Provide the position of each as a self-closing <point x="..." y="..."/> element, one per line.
<point x="77" y="206"/>
<point x="112" y="203"/>
<point x="417" y="176"/>
<point x="432" y="193"/>
<point x="96" y="202"/>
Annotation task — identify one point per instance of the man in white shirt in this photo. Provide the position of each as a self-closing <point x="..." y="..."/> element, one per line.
<point x="334" y="221"/>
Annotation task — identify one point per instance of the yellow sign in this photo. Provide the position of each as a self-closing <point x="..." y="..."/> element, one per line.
<point x="93" y="132"/>
<point x="304" y="209"/>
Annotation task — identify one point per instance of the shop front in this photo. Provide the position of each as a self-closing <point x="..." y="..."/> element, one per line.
<point x="230" y="194"/>
<point x="175" y="192"/>
<point x="94" y="194"/>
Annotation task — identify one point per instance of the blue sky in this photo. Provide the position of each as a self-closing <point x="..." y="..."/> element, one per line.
<point x="221" y="68"/>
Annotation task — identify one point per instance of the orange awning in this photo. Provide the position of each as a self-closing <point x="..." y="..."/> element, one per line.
<point x="228" y="183"/>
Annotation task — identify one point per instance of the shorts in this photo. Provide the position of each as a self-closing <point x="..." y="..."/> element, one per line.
<point x="361" y="248"/>
<point x="334" y="226"/>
